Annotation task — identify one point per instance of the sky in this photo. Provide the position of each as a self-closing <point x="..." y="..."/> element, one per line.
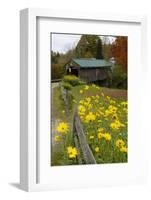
<point x="63" y="42"/>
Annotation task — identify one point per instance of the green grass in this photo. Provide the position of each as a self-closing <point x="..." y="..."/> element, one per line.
<point x="58" y="149"/>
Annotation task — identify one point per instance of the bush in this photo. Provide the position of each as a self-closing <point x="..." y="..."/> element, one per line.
<point x="119" y="78"/>
<point x="57" y="71"/>
<point x="72" y="80"/>
<point x="66" y="85"/>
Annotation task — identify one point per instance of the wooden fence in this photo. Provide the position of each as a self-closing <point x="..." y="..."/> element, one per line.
<point x="64" y="94"/>
<point x="84" y="152"/>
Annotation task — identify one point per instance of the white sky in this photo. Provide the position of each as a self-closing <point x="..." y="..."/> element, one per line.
<point x="63" y="42"/>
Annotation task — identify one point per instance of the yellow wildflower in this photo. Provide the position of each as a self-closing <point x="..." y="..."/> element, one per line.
<point x="100" y="129"/>
<point x="81" y="91"/>
<point x="91" y="137"/>
<point x="116" y="125"/>
<point x="97" y="96"/>
<point x="89" y="106"/>
<point x="96" y="101"/>
<point x="112" y="109"/>
<point x="81" y="101"/>
<point x="108" y="97"/>
<point x="107" y="136"/>
<point x="114" y="116"/>
<point x="86" y="87"/>
<point x="63" y="128"/>
<point x="125" y="109"/>
<point x="81" y="110"/>
<point x="120" y="143"/>
<point x="90" y="117"/>
<point x="100" y="135"/>
<point x="124" y="149"/>
<point x="72" y="152"/>
<point x="56" y="138"/>
<point x="124" y="103"/>
<point x="93" y="85"/>
<point x="88" y="99"/>
<point x="97" y="149"/>
<point x="112" y="101"/>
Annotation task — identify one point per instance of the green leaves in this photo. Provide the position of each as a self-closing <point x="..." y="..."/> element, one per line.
<point x="88" y="46"/>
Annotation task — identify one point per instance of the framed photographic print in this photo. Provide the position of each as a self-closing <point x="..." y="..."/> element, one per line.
<point x="82" y="78"/>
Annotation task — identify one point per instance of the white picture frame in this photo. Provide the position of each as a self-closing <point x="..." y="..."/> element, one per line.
<point x="29" y="148"/>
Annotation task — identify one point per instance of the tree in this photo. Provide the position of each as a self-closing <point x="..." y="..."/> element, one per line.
<point x="106" y="47"/>
<point x="119" y="52"/>
<point x="99" y="54"/>
<point x="86" y="47"/>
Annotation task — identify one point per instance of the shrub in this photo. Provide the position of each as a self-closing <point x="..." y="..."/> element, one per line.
<point x="119" y="78"/>
<point x="57" y="71"/>
<point x="66" y="85"/>
<point x="72" y="80"/>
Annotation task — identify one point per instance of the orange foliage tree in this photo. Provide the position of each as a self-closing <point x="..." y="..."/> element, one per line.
<point x="119" y="52"/>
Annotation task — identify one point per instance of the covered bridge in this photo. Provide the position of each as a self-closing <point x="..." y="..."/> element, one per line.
<point x="90" y="70"/>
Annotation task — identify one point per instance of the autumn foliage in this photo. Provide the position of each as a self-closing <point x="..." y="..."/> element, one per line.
<point x="119" y="52"/>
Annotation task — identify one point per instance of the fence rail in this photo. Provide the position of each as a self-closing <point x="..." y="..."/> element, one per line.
<point x="55" y="80"/>
<point x="81" y="141"/>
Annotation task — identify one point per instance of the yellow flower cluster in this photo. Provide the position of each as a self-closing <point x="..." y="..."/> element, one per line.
<point x="102" y="117"/>
<point x="124" y="103"/>
<point x="72" y="152"/>
<point x="121" y="145"/>
<point x="111" y="110"/>
<point x="81" y="110"/>
<point x="124" y="149"/>
<point x="90" y="117"/>
<point x="86" y="103"/>
<point x="106" y="136"/>
<point x="116" y="125"/>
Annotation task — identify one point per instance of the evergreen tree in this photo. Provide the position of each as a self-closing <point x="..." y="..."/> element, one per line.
<point x="86" y="47"/>
<point x="99" y="54"/>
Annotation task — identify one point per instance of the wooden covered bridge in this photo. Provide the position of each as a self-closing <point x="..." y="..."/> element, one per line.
<point x="90" y="70"/>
